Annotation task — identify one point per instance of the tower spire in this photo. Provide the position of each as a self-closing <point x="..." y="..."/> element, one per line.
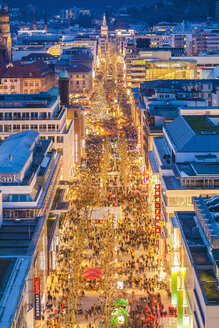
<point x="104" y="20"/>
<point x="34" y="22"/>
<point x="45" y="23"/>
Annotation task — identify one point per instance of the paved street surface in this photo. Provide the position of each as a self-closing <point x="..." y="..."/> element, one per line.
<point x="109" y="273"/>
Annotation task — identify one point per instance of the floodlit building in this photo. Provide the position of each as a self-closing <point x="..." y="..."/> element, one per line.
<point x="44" y="114"/>
<point x="28" y="169"/>
<point x="28" y="78"/>
<point x="194" y="263"/>
<point x="183" y="164"/>
<point x="29" y="174"/>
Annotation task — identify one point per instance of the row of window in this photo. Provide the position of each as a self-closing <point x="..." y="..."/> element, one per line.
<point x="26" y="127"/>
<point x="77" y="82"/>
<point x="32" y="91"/>
<point x="31" y="83"/>
<point x="24" y="116"/>
<point x="11" y="80"/>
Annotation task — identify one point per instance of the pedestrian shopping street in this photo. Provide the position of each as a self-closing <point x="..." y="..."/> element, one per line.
<point x="109" y="273"/>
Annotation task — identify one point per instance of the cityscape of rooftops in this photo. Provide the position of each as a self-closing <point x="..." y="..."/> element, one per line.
<point x="109" y="164"/>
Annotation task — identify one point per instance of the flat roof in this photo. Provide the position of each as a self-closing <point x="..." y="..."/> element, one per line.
<point x="202" y="261"/>
<point x="14" y="277"/>
<point x="201" y="124"/>
<point x="45" y="99"/>
<point x="16" y="150"/>
<point x="16" y="235"/>
<point x="6" y="268"/>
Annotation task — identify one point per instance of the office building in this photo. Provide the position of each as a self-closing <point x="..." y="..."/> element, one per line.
<point x="42" y="113"/>
<point x="194" y="263"/>
<point x="183" y="164"/>
<point x="29" y="171"/>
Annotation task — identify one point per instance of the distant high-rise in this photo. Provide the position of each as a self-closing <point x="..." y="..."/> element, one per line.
<point x="64" y="87"/>
<point x="5" y="38"/>
<point x="217" y="9"/>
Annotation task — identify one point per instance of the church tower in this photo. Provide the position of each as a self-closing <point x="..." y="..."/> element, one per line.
<point x="5" y="38"/>
<point x="104" y="27"/>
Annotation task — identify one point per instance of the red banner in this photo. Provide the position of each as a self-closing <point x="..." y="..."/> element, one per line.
<point x="157" y="207"/>
<point x="36" y="286"/>
<point x="157" y="223"/>
<point x="37" y="301"/>
<point x="157" y="186"/>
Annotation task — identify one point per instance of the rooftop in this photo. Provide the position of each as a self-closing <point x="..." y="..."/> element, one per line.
<point x="45" y="99"/>
<point x="199" y="255"/>
<point x="16" y="235"/>
<point x="33" y="70"/>
<point x="193" y="134"/>
<point x="16" y="150"/>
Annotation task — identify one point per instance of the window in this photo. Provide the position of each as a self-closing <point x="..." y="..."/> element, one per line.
<point x="34" y="127"/>
<point x="1" y="128"/>
<point x="51" y="127"/>
<point x="52" y="138"/>
<point x="25" y="127"/>
<point x="34" y="116"/>
<point x="7" y="128"/>
<point x="43" y="127"/>
<point x="60" y="150"/>
<point x="60" y="139"/>
<point x="17" y="116"/>
<point x="25" y="116"/>
<point x="77" y="82"/>
<point x="8" y="116"/>
<point x="16" y="127"/>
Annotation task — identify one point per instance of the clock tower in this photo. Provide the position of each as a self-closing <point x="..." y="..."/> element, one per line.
<point x="5" y="38"/>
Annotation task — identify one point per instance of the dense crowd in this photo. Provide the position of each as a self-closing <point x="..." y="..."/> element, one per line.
<point x="138" y="263"/>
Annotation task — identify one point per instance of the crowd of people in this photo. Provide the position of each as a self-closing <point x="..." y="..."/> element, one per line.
<point x="138" y="263"/>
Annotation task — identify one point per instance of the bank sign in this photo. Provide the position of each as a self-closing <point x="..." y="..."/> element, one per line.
<point x="37" y="303"/>
<point x="14" y="178"/>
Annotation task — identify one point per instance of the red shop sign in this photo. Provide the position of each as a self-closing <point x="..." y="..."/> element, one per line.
<point x="157" y="186"/>
<point x="157" y="205"/>
<point x="36" y="286"/>
<point x="157" y="229"/>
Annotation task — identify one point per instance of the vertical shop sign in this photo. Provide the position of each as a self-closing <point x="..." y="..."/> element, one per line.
<point x="37" y="303"/>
